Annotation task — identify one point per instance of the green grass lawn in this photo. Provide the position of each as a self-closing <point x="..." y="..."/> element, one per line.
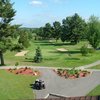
<point x="95" y="91"/>
<point x="52" y="57"/>
<point x="96" y="67"/>
<point x="15" y="86"/>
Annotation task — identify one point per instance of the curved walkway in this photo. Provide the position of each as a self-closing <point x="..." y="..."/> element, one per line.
<point x="89" y="65"/>
<point x="66" y="87"/>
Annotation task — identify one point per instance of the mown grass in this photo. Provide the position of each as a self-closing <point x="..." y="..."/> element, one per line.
<point x="96" y="67"/>
<point x="52" y="57"/>
<point x="14" y="87"/>
<point x="95" y="92"/>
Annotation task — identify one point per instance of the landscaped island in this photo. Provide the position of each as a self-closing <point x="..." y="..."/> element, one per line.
<point x="24" y="71"/>
<point x="72" y="73"/>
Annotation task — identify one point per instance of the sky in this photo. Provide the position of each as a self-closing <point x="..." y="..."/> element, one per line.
<point x="36" y="13"/>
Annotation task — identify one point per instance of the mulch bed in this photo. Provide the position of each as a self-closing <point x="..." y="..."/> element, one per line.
<point x="24" y="71"/>
<point x="72" y="74"/>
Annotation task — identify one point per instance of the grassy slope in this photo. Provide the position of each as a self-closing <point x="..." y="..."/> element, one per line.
<point x="15" y="86"/>
<point x="95" y="91"/>
<point x="96" y="67"/>
<point x="52" y="57"/>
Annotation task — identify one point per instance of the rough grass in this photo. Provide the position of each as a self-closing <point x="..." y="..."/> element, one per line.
<point x="15" y="86"/>
<point x="52" y="57"/>
<point x="95" y="92"/>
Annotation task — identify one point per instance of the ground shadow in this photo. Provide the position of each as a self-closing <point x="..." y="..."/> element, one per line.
<point x="68" y="52"/>
<point x="47" y="43"/>
<point x="54" y="44"/>
<point x="74" y="52"/>
<point x="32" y="86"/>
<point x="3" y="65"/>
<point x="28" y="60"/>
<point x="72" y="58"/>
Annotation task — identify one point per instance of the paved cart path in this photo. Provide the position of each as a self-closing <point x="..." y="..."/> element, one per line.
<point x="89" y="65"/>
<point x="67" y="87"/>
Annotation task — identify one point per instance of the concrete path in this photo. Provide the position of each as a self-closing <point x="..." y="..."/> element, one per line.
<point x="89" y="65"/>
<point x="66" y="87"/>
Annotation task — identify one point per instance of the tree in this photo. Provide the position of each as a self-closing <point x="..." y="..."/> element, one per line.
<point x="65" y="36"/>
<point x="93" y="34"/>
<point x="6" y="16"/>
<point x="23" y="39"/>
<point x="74" y="27"/>
<point x="39" y="33"/>
<point x="47" y="31"/>
<point x="56" y="30"/>
<point x="38" y="57"/>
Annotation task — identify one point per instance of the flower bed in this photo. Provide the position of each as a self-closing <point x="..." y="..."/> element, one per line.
<point x="24" y="71"/>
<point x="72" y="74"/>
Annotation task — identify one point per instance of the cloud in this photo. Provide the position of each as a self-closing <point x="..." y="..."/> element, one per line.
<point x="59" y="1"/>
<point x="36" y="2"/>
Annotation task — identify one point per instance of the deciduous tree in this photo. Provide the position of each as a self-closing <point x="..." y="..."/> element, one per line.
<point x="93" y="34"/>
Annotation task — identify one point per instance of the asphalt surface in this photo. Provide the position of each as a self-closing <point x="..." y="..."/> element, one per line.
<point x="66" y="87"/>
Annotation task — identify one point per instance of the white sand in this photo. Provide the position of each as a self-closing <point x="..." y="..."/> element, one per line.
<point x="22" y="53"/>
<point x="62" y="49"/>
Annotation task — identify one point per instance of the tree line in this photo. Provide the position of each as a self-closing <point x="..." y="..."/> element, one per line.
<point x="72" y="29"/>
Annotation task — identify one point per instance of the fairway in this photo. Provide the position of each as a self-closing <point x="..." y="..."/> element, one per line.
<point x="49" y="47"/>
<point x="15" y="86"/>
<point x="52" y="57"/>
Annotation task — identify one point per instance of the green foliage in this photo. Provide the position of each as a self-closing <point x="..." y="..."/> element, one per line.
<point x="2" y="46"/>
<point x="47" y="31"/>
<point x="72" y="71"/>
<point x="23" y="39"/>
<point x="57" y="30"/>
<point x="84" y="50"/>
<point x="17" y="47"/>
<point x="93" y="34"/>
<point x="16" y="64"/>
<point x="6" y="16"/>
<point x="74" y="28"/>
<point x="38" y="57"/>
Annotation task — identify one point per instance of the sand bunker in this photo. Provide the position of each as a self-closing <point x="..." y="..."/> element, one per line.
<point x="22" y="53"/>
<point x="62" y="49"/>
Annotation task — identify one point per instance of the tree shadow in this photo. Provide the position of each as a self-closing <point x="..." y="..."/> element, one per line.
<point x="28" y="60"/>
<point x="68" y="52"/>
<point x="41" y="42"/>
<point x="72" y="58"/>
<point x="3" y="65"/>
<point x="74" y="52"/>
<point x="47" y="43"/>
<point x="54" y="44"/>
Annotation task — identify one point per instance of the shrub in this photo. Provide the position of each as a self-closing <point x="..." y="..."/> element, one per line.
<point x="84" y="50"/>
<point x="38" y="56"/>
<point x="16" y="64"/>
